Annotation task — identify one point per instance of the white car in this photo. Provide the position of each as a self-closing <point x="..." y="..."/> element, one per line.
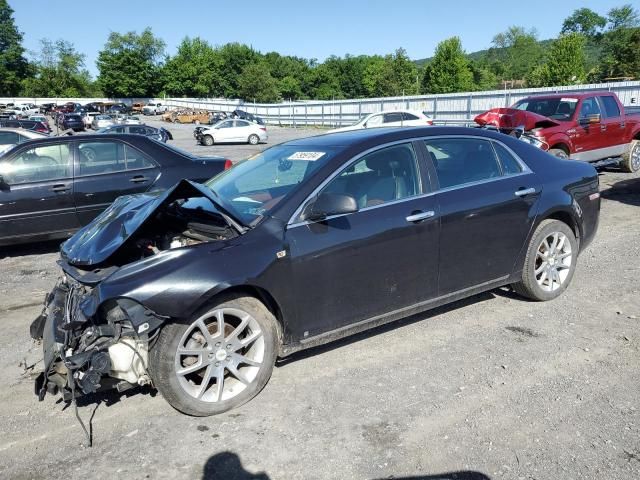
<point x="101" y="121"/>
<point x="153" y="108"/>
<point x="233" y="131"/>
<point x="130" y="120"/>
<point x="395" y="118"/>
<point x="24" y="110"/>
<point x="88" y="117"/>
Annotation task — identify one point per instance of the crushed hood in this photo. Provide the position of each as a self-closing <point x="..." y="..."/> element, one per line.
<point x="97" y="241"/>
<point x="510" y="118"/>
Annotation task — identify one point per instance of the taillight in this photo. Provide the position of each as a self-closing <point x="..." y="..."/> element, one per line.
<point x="264" y="129"/>
<point x="429" y="122"/>
<point x="228" y="164"/>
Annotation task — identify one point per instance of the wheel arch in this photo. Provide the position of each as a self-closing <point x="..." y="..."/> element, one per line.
<point x="565" y="217"/>
<point x="561" y="146"/>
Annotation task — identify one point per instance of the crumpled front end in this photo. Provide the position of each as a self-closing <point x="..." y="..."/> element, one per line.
<point x="88" y="349"/>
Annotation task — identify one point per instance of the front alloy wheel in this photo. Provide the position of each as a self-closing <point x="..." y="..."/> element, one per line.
<point x="220" y="360"/>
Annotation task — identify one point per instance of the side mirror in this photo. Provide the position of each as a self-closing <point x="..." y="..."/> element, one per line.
<point x="328" y="204"/>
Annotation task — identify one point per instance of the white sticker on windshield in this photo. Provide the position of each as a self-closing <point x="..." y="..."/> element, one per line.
<point x="568" y="99"/>
<point x="308" y="156"/>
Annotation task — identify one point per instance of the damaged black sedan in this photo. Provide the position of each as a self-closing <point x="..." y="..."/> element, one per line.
<point x="199" y="289"/>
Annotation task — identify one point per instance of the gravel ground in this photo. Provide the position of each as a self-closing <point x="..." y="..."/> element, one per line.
<point x="491" y="387"/>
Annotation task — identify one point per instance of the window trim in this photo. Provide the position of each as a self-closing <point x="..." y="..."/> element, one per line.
<point x="434" y="189"/>
<point x="76" y="149"/>
<point x="70" y="152"/>
<point x="346" y="165"/>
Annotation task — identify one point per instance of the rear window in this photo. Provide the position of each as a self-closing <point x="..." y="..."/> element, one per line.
<point x="74" y="117"/>
<point x="611" y="108"/>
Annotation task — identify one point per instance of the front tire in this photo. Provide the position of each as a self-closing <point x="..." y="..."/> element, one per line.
<point x="218" y="360"/>
<point x="631" y="159"/>
<point x="550" y="262"/>
<point x="207" y="140"/>
<point x="254" y="139"/>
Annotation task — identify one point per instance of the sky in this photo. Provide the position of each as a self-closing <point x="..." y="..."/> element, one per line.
<point x="301" y="28"/>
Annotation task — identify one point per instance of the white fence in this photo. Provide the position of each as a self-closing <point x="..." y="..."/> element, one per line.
<point x="449" y="108"/>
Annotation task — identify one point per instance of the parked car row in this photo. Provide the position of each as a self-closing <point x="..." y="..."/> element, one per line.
<point x="231" y="131"/>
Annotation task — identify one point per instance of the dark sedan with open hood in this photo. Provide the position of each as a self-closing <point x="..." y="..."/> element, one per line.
<point x="199" y="289"/>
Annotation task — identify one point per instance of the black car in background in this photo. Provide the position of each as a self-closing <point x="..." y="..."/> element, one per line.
<point x="70" y="120"/>
<point x="39" y="127"/>
<point x="50" y="188"/>
<point x="247" y="116"/>
<point x="119" y="108"/>
<point x="307" y="242"/>
<point x="160" y="134"/>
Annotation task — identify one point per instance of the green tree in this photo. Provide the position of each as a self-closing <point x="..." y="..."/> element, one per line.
<point x="623" y="17"/>
<point x="289" y="87"/>
<point x="194" y="71"/>
<point x="620" y="54"/>
<point x="255" y="83"/>
<point x="566" y="60"/>
<point x="59" y="72"/>
<point x="449" y="70"/>
<point x="13" y="65"/>
<point x="515" y="52"/>
<point x="584" y="21"/>
<point x="235" y="57"/>
<point x="483" y="77"/>
<point x="393" y="75"/>
<point x="130" y="64"/>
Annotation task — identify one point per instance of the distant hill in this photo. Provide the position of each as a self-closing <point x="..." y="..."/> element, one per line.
<point x="592" y="53"/>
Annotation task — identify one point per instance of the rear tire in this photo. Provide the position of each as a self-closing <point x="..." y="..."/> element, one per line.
<point x="207" y="140"/>
<point x="631" y="158"/>
<point x="560" y="153"/>
<point x="550" y="262"/>
<point x="254" y="139"/>
<point x="219" y="359"/>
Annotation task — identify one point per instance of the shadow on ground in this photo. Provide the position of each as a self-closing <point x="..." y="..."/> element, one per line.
<point x="227" y="466"/>
<point x="39" y="248"/>
<point x="624" y="191"/>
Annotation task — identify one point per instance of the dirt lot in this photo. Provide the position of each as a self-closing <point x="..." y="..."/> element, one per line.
<point x="493" y="386"/>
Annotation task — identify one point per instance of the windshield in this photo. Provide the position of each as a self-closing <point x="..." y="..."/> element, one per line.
<point x="252" y="188"/>
<point x="556" y="108"/>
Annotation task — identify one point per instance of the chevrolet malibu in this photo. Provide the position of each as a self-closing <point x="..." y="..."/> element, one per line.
<point x="199" y="289"/>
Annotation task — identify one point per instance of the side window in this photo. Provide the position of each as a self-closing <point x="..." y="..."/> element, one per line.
<point x="117" y="130"/>
<point x="374" y="121"/>
<point x="138" y="130"/>
<point x="227" y="124"/>
<point x="101" y="157"/>
<point x="610" y="107"/>
<point x="509" y="164"/>
<point x="462" y="160"/>
<point x="242" y="123"/>
<point x="40" y="164"/>
<point x="9" y="138"/>
<point x="407" y="116"/>
<point x="379" y="177"/>
<point x="136" y="159"/>
<point x="392" y="117"/>
<point x="589" y="107"/>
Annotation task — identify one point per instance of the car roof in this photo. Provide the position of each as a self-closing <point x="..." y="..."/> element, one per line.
<point x="36" y="135"/>
<point x="375" y="136"/>
<point x="578" y="95"/>
<point x="131" y="138"/>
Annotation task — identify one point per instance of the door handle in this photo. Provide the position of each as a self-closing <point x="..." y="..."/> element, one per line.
<point x="138" y="179"/>
<point x="525" y="191"/>
<point x="603" y="128"/>
<point x="416" y="217"/>
<point x="60" y="187"/>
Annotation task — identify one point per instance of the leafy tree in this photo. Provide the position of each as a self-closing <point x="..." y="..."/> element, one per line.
<point x="483" y="77"/>
<point x="194" y="71"/>
<point x="13" y="65"/>
<point x="565" y="61"/>
<point x="623" y="17"/>
<point x="235" y="57"/>
<point x="59" y="72"/>
<point x="256" y="83"/>
<point x="392" y="75"/>
<point x="289" y="87"/>
<point x="515" y="52"/>
<point x="620" y="54"/>
<point x="584" y="21"/>
<point x="323" y="84"/>
<point x="129" y="64"/>
<point x="449" y="70"/>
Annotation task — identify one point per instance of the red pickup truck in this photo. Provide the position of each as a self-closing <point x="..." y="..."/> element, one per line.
<point x="589" y="126"/>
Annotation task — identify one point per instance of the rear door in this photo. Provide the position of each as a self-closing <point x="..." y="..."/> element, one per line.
<point x="486" y="198"/>
<point x="36" y="195"/>
<point x="242" y="130"/>
<point x="107" y="169"/>
<point x="613" y="126"/>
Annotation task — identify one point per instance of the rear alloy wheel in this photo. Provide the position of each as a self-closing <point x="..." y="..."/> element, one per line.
<point x="550" y="262"/>
<point x="560" y="153"/>
<point x="207" y="140"/>
<point x="254" y="139"/>
<point x="631" y="159"/>
<point x="218" y="361"/>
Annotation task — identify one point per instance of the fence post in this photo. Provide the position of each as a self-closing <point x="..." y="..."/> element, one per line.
<point x="340" y="115"/>
<point x="435" y="107"/>
<point x="306" y="115"/>
<point x="322" y="113"/>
